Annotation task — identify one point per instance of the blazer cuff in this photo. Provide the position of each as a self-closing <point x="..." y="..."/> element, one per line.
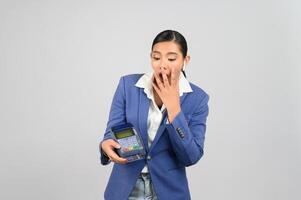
<point x="181" y="127"/>
<point x="103" y="156"/>
<point x="105" y="160"/>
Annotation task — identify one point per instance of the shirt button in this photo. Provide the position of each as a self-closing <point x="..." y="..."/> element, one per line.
<point x="148" y="157"/>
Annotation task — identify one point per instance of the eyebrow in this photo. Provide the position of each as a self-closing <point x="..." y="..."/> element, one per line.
<point x="167" y="53"/>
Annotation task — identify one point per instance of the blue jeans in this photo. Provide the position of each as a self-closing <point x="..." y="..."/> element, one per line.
<point x="143" y="189"/>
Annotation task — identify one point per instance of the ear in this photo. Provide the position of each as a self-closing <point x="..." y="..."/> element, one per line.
<point x="187" y="59"/>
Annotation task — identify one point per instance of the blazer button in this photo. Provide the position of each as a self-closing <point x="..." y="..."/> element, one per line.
<point x="148" y="157"/>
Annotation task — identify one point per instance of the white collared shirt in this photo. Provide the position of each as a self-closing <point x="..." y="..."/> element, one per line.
<point x="155" y="114"/>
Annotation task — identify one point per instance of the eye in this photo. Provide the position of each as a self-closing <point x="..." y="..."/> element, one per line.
<point x="171" y="59"/>
<point x="156" y="58"/>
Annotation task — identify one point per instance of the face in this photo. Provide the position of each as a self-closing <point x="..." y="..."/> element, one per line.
<point x="165" y="56"/>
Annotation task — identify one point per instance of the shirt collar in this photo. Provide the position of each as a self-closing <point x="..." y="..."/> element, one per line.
<point x="145" y="82"/>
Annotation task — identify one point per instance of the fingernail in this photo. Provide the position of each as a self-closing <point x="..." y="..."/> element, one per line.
<point x="118" y="146"/>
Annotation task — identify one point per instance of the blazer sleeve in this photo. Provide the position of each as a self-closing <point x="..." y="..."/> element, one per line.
<point x="116" y="116"/>
<point x="187" y="140"/>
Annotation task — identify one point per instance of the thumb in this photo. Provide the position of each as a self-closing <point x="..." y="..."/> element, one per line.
<point x="116" y="145"/>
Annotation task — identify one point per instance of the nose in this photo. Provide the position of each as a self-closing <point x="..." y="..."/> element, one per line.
<point x="163" y="67"/>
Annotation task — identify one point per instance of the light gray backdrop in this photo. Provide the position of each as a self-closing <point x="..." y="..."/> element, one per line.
<point x="60" y="62"/>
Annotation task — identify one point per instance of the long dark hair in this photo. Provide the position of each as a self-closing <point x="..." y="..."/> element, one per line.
<point x="175" y="36"/>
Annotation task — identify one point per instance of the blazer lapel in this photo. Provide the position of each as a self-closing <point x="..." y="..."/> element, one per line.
<point x="143" y="108"/>
<point x="163" y="123"/>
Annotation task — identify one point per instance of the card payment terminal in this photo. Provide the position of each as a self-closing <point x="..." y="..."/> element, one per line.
<point x="130" y="142"/>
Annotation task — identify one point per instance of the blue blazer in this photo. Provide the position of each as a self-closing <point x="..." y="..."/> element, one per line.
<point x="176" y="145"/>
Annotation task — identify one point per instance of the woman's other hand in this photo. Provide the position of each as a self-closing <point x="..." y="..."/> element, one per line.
<point x="108" y="147"/>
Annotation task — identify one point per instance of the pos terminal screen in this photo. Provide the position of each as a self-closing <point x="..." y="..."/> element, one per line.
<point x="124" y="134"/>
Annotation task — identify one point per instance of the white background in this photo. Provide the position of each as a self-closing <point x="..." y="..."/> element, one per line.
<point x="60" y="62"/>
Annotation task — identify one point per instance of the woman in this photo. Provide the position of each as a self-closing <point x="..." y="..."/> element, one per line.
<point x="170" y="115"/>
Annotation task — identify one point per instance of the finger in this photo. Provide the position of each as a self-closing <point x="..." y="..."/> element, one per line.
<point x="154" y="82"/>
<point x="115" y="144"/>
<point x="177" y="77"/>
<point x="157" y="89"/>
<point x="173" y="77"/>
<point x="158" y="80"/>
<point x="115" y="158"/>
<point x="111" y="153"/>
<point x="165" y="80"/>
<point x="120" y="160"/>
<point x="105" y="143"/>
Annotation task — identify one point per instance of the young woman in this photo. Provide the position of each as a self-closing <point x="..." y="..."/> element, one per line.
<point x="170" y="115"/>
